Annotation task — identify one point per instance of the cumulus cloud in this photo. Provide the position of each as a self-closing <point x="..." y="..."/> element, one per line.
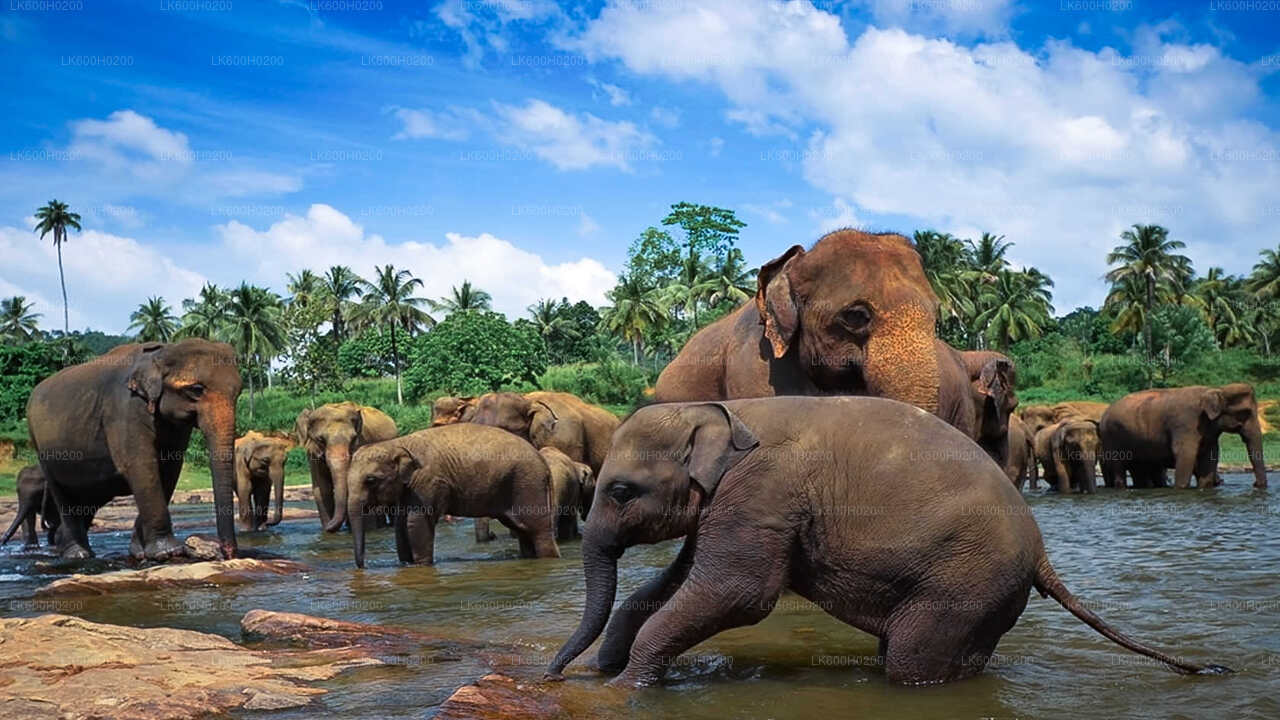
<point x="447" y="124"/>
<point x="325" y="236"/>
<point x="569" y="141"/>
<point x="617" y="96"/>
<point x="1058" y="148"/>
<point x="963" y="18"/>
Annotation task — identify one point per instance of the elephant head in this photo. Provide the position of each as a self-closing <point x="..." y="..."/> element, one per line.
<point x="380" y="475"/>
<point x="858" y="313"/>
<point x="331" y="433"/>
<point x="532" y="420"/>
<point x="448" y="409"/>
<point x="993" y="386"/>
<point x="664" y="466"/>
<point x="1075" y="447"/>
<point x="195" y="383"/>
<point x="263" y="456"/>
<point x="1234" y="409"/>
<point x="1038" y="417"/>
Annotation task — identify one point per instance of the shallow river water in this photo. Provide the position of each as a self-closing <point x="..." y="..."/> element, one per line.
<point x="1197" y="573"/>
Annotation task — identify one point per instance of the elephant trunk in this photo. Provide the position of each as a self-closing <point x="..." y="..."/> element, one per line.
<point x="359" y="515"/>
<point x="277" y="486"/>
<point x="902" y="361"/>
<point x="1252" y="436"/>
<point x="600" y="564"/>
<point x="338" y="458"/>
<point x="218" y="424"/>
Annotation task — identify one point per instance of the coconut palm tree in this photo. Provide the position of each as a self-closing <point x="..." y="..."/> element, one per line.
<point x="304" y="288"/>
<point x="946" y="266"/>
<point x="548" y="316"/>
<point x="55" y="217"/>
<point x="732" y="280"/>
<point x="636" y="311"/>
<point x="388" y="302"/>
<point x="463" y="298"/>
<point x="987" y="254"/>
<point x="154" y="320"/>
<point x="1146" y="257"/>
<point x="253" y="327"/>
<point x="1264" y="281"/>
<point x="340" y="284"/>
<point x="205" y="316"/>
<point x="1017" y="306"/>
<point x="17" y="323"/>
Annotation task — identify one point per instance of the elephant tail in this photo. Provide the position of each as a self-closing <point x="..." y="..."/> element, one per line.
<point x="17" y="520"/>
<point x="1048" y="584"/>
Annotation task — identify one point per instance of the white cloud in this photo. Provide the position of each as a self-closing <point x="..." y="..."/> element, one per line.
<point x="769" y="211"/>
<point x="444" y="125"/>
<point x="325" y="236"/>
<point x="587" y="226"/>
<point x="1058" y="148"/>
<point x="965" y="18"/>
<point x="839" y="214"/>
<point x="482" y="25"/>
<point x="665" y="116"/>
<point x="568" y="141"/>
<point x="617" y="96"/>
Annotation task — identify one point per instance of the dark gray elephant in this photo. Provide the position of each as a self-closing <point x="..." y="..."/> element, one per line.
<point x="33" y="500"/>
<point x="120" y="423"/>
<point x="760" y="488"/>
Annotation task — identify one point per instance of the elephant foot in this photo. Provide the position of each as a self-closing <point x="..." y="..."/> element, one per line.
<point x="76" y="552"/>
<point x="164" y="547"/>
<point x="630" y="680"/>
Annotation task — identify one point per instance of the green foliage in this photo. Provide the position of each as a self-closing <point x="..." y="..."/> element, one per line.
<point x="369" y="353"/>
<point x="474" y="352"/>
<point x="1179" y="336"/>
<point x="22" y="367"/>
<point x="609" y="382"/>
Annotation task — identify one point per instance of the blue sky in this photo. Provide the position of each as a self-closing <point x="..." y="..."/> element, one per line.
<point x="523" y="144"/>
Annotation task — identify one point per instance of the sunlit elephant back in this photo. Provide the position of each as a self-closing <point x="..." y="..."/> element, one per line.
<point x="449" y="409"/>
<point x="330" y="434"/>
<point x="564" y="421"/>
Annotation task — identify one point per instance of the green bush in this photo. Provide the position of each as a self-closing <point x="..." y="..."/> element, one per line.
<point x="22" y="367"/>
<point x="369" y="354"/>
<point x="611" y="382"/>
<point x="474" y="352"/>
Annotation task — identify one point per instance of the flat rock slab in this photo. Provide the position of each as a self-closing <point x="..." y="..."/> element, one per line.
<point x="62" y="666"/>
<point x="501" y="697"/>
<point x="199" y="574"/>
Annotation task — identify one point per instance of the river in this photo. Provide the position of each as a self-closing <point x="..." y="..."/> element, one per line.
<point x="1191" y="572"/>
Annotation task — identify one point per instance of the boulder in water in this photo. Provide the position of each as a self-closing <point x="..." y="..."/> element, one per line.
<point x="200" y="574"/>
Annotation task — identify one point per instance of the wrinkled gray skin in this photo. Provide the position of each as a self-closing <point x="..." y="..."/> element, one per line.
<point x="330" y="434"/>
<point x="120" y="423"/>
<point x="1147" y="432"/>
<point x="259" y="470"/>
<point x="763" y="490"/>
<point x="32" y="501"/>
<point x="572" y="484"/>
<point x="993" y="384"/>
<point x="465" y="470"/>
<point x="1021" y="463"/>
<point x="1071" y="455"/>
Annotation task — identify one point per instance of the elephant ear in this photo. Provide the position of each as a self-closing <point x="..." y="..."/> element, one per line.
<point x="406" y="464"/>
<point x="357" y="420"/>
<point x="300" y="427"/>
<point x="775" y="303"/>
<point x="995" y="384"/>
<point x="1213" y="403"/>
<point x="146" y="379"/>
<point x="718" y="441"/>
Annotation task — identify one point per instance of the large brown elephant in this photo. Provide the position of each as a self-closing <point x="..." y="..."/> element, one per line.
<point x="760" y="489"/>
<point x="462" y="469"/>
<point x="259" y="470"/>
<point x="33" y="500"/>
<point x="120" y="424"/>
<point x="1149" y="431"/>
<point x="1021" y="463"/>
<point x="449" y="409"/>
<point x="1069" y="451"/>
<point x="1037" y="417"/>
<point x="330" y="434"/>
<point x="854" y="315"/>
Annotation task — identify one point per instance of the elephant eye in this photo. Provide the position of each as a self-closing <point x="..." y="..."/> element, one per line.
<point x="622" y="492"/>
<point x="856" y="318"/>
<point x="194" y="391"/>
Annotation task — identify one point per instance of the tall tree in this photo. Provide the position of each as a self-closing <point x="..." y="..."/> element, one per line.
<point x="463" y="298"/>
<point x="946" y="266"/>
<point x="206" y="315"/>
<point x="731" y="281"/>
<point x="254" y="328"/>
<point x="304" y="288"/>
<point x="1148" y="258"/>
<point x="55" y="217"/>
<point x="154" y="320"/>
<point x="987" y="255"/>
<point x="636" y="311"/>
<point x="17" y="323"/>
<point x="1264" y="281"/>
<point x="340" y="284"/>
<point x="549" y="317"/>
<point x="1017" y="306"/>
<point x="388" y="302"/>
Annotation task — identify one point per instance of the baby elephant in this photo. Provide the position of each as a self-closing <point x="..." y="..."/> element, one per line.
<point x="463" y="469"/>
<point x="259" y="469"/>
<point x="33" y="500"/>
<point x="572" y="484"/>
<point x="836" y="499"/>
<point x="1069" y="451"/>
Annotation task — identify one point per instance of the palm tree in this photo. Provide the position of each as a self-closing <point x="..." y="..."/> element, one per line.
<point x="732" y="280"/>
<point x="461" y="299"/>
<point x="635" y="312"/>
<point x="56" y="217"/>
<point x="1264" y="281"/>
<point x="254" y="328"/>
<point x="1147" y="257"/>
<point x="548" y="316"/>
<point x="17" y="322"/>
<point x="389" y="302"/>
<point x="1017" y="306"/>
<point x="206" y="316"/>
<point x="1214" y="296"/>
<point x="154" y="321"/>
<point x="303" y="288"/>
<point x="340" y="284"/>
<point x="946" y="266"/>
<point x="987" y="255"/>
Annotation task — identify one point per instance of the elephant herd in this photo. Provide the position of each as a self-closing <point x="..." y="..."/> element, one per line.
<point x="820" y="439"/>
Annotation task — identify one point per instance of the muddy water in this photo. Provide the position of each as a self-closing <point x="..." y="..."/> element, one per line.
<point x="1195" y="573"/>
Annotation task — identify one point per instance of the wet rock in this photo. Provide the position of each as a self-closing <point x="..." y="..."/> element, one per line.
<point x="65" y="667"/>
<point x="199" y="574"/>
<point x="499" y="697"/>
<point x="203" y="548"/>
<point x="401" y="646"/>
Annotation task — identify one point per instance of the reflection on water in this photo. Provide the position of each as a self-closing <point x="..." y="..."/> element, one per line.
<point x="1191" y="572"/>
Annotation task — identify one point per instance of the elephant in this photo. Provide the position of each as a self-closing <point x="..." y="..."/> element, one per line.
<point x="463" y="469"/>
<point x="449" y="409"/>
<point x="993" y="392"/>
<point x="572" y="484"/>
<point x="120" y="423"/>
<point x="1021" y="462"/>
<point x="854" y="315"/>
<point x="1069" y="451"/>
<point x="33" y="500"/>
<point x="1037" y="418"/>
<point x="259" y="470"/>
<point x="1147" y="432"/>
<point x="556" y="419"/>
<point x="761" y="489"/>
<point x="330" y="434"/>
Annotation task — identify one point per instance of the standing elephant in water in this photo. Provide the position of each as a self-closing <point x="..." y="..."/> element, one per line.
<point x="1021" y="463"/>
<point x="758" y="487"/>
<point x="1149" y="431"/>
<point x="463" y="469"/>
<point x="572" y="485"/>
<point x="33" y="500"/>
<point x="1069" y="451"/>
<point x="259" y="470"/>
<point x="330" y="434"/>
<point x="993" y="391"/>
<point x="120" y="423"/>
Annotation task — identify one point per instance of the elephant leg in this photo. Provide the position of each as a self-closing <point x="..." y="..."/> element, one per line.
<point x="483" y="533"/>
<point x="73" y="542"/>
<point x="566" y="525"/>
<point x="1207" y="468"/>
<point x="1184" y="457"/>
<point x="261" y="502"/>
<point x="321" y="489"/>
<point x="28" y="514"/>
<point x="415" y="525"/>
<point x="1063" y="474"/>
<point x="923" y="646"/>
<point x="153" y="486"/>
<point x="244" y="493"/>
<point x="635" y="610"/>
